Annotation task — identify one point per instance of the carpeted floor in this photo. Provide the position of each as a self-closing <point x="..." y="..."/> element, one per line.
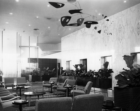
<point x="37" y="87"/>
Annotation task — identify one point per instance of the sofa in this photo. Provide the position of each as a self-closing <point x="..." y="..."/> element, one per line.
<point x="21" y="81"/>
<point x="12" y="81"/>
<point x="87" y="102"/>
<point x="86" y="89"/>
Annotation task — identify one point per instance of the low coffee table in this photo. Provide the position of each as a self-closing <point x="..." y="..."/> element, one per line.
<point x="29" y="94"/>
<point x="20" y="88"/>
<point x="51" y="85"/>
<point x="20" y="103"/>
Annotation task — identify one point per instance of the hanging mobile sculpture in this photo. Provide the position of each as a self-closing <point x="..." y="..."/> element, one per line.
<point x="66" y="19"/>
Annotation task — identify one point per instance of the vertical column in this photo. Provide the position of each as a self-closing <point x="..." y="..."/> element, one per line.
<point x="29" y="53"/>
<point x="37" y="53"/>
<point x="17" y="52"/>
<point x="1" y="53"/>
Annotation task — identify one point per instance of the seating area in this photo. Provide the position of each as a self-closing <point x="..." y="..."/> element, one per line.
<point x="60" y="96"/>
<point x="70" y="55"/>
<point x="78" y="103"/>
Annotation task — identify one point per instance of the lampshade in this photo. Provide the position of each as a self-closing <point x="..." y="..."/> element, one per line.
<point x="90" y="22"/>
<point x="75" y="11"/>
<point x="65" y="20"/>
<point x="72" y="24"/>
<point x="56" y="4"/>
<point x="88" y="25"/>
<point x="80" y="21"/>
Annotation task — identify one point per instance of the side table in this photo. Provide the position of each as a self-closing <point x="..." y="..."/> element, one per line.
<point x="51" y="83"/>
<point x="20" y="103"/>
<point x="68" y="89"/>
<point x="28" y="94"/>
<point x="19" y="87"/>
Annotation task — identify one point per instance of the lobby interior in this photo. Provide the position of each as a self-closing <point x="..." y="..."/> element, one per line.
<point x="33" y="39"/>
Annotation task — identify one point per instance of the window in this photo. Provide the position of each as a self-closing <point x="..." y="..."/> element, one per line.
<point x="106" y="59"/>
<point x="136" y="57"/>
<point x="67" y="65"/>
<point x="84" y="63"/>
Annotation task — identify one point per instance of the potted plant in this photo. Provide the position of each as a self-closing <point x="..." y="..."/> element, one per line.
<point x="129" y="77"/>
<point x="127" y="92"/>
<point x="104" y="79"/>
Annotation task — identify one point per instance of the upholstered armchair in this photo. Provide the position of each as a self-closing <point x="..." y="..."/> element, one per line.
<point x="70" y="82"/>
<point x="9" y="82"/>
<point x="6" y="99"/>
<point x="86" y="90"/>
<point x="88" y="102"/>
<point x="54" y="104"/>
<point x="52" y="81"/>
<point x="62" y="87"/>
<point x="21" y="81"/>
<point x="59" y="85"/>
<point x="1" y="84"/>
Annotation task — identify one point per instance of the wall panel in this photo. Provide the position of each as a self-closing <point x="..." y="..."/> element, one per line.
<point x="119" y="36"/>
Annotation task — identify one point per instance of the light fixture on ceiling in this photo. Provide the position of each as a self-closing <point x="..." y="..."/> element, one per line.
<point x="17" y="0"/>
<point x="124" y="1"/>
<point x="11" y="13"/>
<point x="48" y="5"/>
<point x="7" y="22"/>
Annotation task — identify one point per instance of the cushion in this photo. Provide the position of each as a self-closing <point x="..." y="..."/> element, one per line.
<point x="88" y="102"/>
<point x="4" y="92"/>
<point x="54" y="104"/>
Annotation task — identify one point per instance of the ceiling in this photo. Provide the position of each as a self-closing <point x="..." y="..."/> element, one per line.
<point x="25" y="16"/>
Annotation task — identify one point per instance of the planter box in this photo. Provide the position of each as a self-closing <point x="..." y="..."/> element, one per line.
<point x="127" y="98"/>
<point x="82" y="81"/>
<point x="105" y="83"/>
<point x="97" y="82"/>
